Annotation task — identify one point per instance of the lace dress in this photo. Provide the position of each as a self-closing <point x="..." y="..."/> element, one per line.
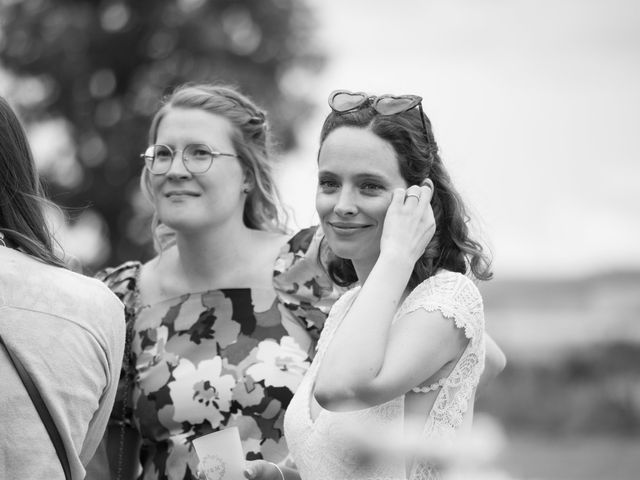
<point x="204" y="361"/>
<point x="327" y="448"/>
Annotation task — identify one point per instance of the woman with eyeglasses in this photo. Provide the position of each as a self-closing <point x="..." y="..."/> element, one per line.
<point x="222" y="322"/>
<point x="401" y="354"/>
<point x="66" y="330"/>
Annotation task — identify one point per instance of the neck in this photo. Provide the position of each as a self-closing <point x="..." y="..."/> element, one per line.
<point x="206" y="256"/>
<point x="363" y="268"/>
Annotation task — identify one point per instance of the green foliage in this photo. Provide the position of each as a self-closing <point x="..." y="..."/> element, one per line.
<point x="103" y="65"/>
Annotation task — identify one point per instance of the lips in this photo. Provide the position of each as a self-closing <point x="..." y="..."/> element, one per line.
<point x="181" y="193"/>
<point x="348" y="228"/>
<point x="347" y="225"/>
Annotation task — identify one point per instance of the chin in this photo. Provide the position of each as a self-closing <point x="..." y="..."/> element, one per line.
<point x="179" y="224"/>
<point x="348" y="250"/>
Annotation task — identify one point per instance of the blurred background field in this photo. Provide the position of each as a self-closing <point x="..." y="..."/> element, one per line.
<point x="536" y="108"/>
<point x="569" y="399"/>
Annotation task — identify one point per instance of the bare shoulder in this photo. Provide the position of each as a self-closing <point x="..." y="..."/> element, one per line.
<point x="272" y="239"/>
<point x="267" y="245"/>
<point x="153" y="271"/>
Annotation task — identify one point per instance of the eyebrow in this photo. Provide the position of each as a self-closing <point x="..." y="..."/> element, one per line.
<point x="359" y="176"/>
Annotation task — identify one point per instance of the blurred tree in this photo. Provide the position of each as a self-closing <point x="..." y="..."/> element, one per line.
<point x="104" y="65"/>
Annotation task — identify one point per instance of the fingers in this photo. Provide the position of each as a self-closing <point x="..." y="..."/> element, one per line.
<point x="409" y="224"/>
<point x="427" y="190"/>
<point x="418" y="200"/>
<point x="397" y="197"/>
<point x="260" y="470"/>
<point x="427" y="182"/>
<point x="426" y="193"/>
<point x="416" y="195"/>
<point x="412" y="195"/>
<point x="252" y="470"/>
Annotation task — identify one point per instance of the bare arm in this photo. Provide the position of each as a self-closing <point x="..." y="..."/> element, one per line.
<point x="495" y="361"/>
<point x="366" y="361"/>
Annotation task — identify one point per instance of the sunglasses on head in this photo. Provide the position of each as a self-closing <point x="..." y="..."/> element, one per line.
<point x="344" y="101"/>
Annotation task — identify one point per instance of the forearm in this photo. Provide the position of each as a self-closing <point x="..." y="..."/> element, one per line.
<point x="357" y="350"/>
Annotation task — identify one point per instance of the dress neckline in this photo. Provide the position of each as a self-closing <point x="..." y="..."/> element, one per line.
<point x="345" y="302"/>
<point x="201" y="293"/>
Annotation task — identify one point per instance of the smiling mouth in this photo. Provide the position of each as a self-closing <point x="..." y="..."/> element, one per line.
<point x="181" y="194"/>
<point x="347" y="228"/>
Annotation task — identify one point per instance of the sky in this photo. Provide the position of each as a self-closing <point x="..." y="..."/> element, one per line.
<point x="535" y="106"/>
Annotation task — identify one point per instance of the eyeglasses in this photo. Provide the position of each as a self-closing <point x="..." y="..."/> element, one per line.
<point x="344" y="101"/>
<point x="196" y="158"/>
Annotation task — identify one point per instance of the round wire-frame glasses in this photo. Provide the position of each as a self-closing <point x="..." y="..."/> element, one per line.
<point x="197" y="158"/>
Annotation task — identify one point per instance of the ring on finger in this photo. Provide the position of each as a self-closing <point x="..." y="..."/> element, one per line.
<point x="413" y="195"/>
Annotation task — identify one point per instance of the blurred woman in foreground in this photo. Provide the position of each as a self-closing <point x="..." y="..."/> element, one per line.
<point x="66" y="329"/>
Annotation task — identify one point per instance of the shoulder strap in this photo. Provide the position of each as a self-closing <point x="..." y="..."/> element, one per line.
<point x="42" y="409"/>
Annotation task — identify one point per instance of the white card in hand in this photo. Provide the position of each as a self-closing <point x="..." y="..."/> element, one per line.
<point x="220" y="454"/>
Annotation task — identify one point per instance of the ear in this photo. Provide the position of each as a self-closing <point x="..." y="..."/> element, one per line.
<point x="427" y="182"/>
<point x="248" y="183"/>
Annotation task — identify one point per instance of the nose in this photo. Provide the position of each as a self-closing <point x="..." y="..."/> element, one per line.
<point x="177" y="168"/>
<point x="346" y="204"/>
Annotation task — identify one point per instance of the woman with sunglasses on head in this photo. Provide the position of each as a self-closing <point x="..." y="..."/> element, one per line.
<point x="402" y="353"/>
<point x="64" y="329"/>
<point x="223" y="321"/>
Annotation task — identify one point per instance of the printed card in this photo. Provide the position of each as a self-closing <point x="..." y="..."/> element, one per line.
<point x="220" y="454"/>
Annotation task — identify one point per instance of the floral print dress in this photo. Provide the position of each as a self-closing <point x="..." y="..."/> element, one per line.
<point x="204" y="361"/>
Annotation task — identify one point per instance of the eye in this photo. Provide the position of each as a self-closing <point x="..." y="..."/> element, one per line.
<point x="162" y="153"/>
<point x="371" y="187"/>
<point x="198" y="152"/>
<point x="327" y="185"/>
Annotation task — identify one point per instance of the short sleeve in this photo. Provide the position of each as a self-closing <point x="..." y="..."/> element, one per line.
<point x="123" y="282"/>
<point x="455" y="296"/>
<point x="302" y="284"/>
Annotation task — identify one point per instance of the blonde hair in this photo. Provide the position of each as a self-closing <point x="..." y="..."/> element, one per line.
<point x="251" y="139"/>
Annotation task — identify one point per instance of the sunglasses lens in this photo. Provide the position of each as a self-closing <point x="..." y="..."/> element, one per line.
<point x="389" y="105"/>
<point x="346" y="101"/>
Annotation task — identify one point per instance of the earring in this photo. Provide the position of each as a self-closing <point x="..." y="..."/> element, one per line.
<point x="245" y="190"/>
<point x="2" y="244"/>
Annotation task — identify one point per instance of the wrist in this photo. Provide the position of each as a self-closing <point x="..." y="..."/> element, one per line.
<point x="396" y="260"/>
<point x="280" y="472"/>
<point x="392" y="272"/>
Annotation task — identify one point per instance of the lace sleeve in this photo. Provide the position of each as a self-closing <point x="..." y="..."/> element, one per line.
<point x="455" y="296"/>
<point x="458" y="299"/>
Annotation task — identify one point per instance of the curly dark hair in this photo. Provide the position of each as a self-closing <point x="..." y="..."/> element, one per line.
<point x="451" y="247"/>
